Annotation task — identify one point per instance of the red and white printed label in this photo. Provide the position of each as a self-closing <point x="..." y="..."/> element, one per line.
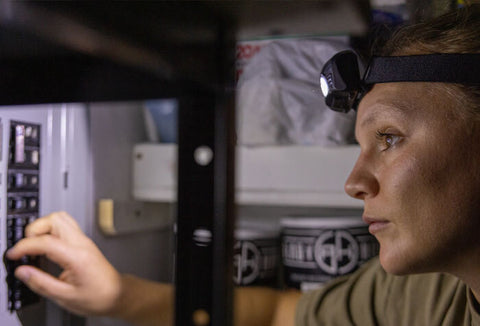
<point x="244" y="52"/>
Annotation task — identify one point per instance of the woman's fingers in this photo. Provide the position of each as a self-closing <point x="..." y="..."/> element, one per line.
<point x="40" y="226"/>
<point x="88" y="284"/>
<point x="44" y="284"/>
<point x="46" y="245"/>
<point x="59" y="224"/>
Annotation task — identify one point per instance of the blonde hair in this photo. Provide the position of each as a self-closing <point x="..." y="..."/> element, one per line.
<point x="457" y="31"/>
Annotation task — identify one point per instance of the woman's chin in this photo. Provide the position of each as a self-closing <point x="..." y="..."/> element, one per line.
<point x="394" y="263"/>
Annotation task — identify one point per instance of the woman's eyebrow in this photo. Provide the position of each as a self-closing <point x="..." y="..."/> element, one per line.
<point x="399" y="108"/>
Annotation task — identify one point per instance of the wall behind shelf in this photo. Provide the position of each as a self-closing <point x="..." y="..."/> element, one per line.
<point x="114" y="128"/>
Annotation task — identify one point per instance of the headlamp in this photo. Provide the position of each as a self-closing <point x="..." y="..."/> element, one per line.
<point x="343" y="86"/>
<point x="340" y="81"/>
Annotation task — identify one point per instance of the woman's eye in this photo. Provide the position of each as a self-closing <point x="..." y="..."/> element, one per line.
<point x="387" y="140"/>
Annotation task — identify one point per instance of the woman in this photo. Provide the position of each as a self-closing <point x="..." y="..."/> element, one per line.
<point x="417" y="175"/>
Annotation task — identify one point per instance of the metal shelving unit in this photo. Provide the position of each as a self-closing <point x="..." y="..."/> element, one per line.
<point x="54" y="52"/>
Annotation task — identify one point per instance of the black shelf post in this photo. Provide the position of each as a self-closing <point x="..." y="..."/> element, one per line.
<point x="205" y="206"/>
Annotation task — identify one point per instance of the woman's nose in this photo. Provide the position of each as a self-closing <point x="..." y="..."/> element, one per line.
<point x="361" y="182"/>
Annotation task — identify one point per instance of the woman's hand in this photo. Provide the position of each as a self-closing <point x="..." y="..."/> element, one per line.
<point x="88" y="283"/>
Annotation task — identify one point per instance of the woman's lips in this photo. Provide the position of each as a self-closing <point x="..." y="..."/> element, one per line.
<point x="375" y="225"/>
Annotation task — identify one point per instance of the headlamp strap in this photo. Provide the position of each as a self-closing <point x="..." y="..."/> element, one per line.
<point x="447" y="68"/>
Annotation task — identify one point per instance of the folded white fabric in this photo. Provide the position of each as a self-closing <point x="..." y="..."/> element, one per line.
<point x="279" y="101"/>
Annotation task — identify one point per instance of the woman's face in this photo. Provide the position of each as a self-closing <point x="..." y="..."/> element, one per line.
<point x="419" y="177"/>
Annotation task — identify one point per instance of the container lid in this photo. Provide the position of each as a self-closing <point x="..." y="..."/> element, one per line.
<point x="255" y="234"/>
<point x="321" y="222"/>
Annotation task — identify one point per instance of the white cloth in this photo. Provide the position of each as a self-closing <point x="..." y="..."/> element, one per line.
<point x="279" y="99"/>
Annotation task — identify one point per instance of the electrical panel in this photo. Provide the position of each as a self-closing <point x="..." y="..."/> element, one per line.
<point x="23" y="180"/>
<point x="44" y="168"/>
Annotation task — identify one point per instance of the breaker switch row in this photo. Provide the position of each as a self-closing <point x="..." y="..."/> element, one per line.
<point x="23" y="193"/>
<point x="22" y="181"/>
<point x="22" y="204"/>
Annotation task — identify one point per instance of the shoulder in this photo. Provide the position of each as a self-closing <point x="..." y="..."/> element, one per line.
<point x="371" y="296"/>
<point x="434" y="298"/>
<point x="345" y="300"/>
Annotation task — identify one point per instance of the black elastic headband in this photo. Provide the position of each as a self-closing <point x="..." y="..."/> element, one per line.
<point x="343" y="86"/>
<point x="446" y="68"/>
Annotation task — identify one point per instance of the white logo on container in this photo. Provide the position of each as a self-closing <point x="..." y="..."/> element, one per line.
<point x="336" y="252"/>
<point x="247" y="264"/>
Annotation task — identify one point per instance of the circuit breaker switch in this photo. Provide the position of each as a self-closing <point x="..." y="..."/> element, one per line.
<point x="35" y="157"/>
<point x="34" y="180"/>
<point x="32" y="203"/>
<point x="19" y="143"/>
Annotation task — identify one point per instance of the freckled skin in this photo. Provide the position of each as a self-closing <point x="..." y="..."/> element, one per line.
<point x="426" y="185"/>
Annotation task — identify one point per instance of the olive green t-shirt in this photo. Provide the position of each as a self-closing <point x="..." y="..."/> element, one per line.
<point x="370" y="296"/>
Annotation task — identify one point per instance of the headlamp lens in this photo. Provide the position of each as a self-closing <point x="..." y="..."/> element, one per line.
<point x="324" y="85"/>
